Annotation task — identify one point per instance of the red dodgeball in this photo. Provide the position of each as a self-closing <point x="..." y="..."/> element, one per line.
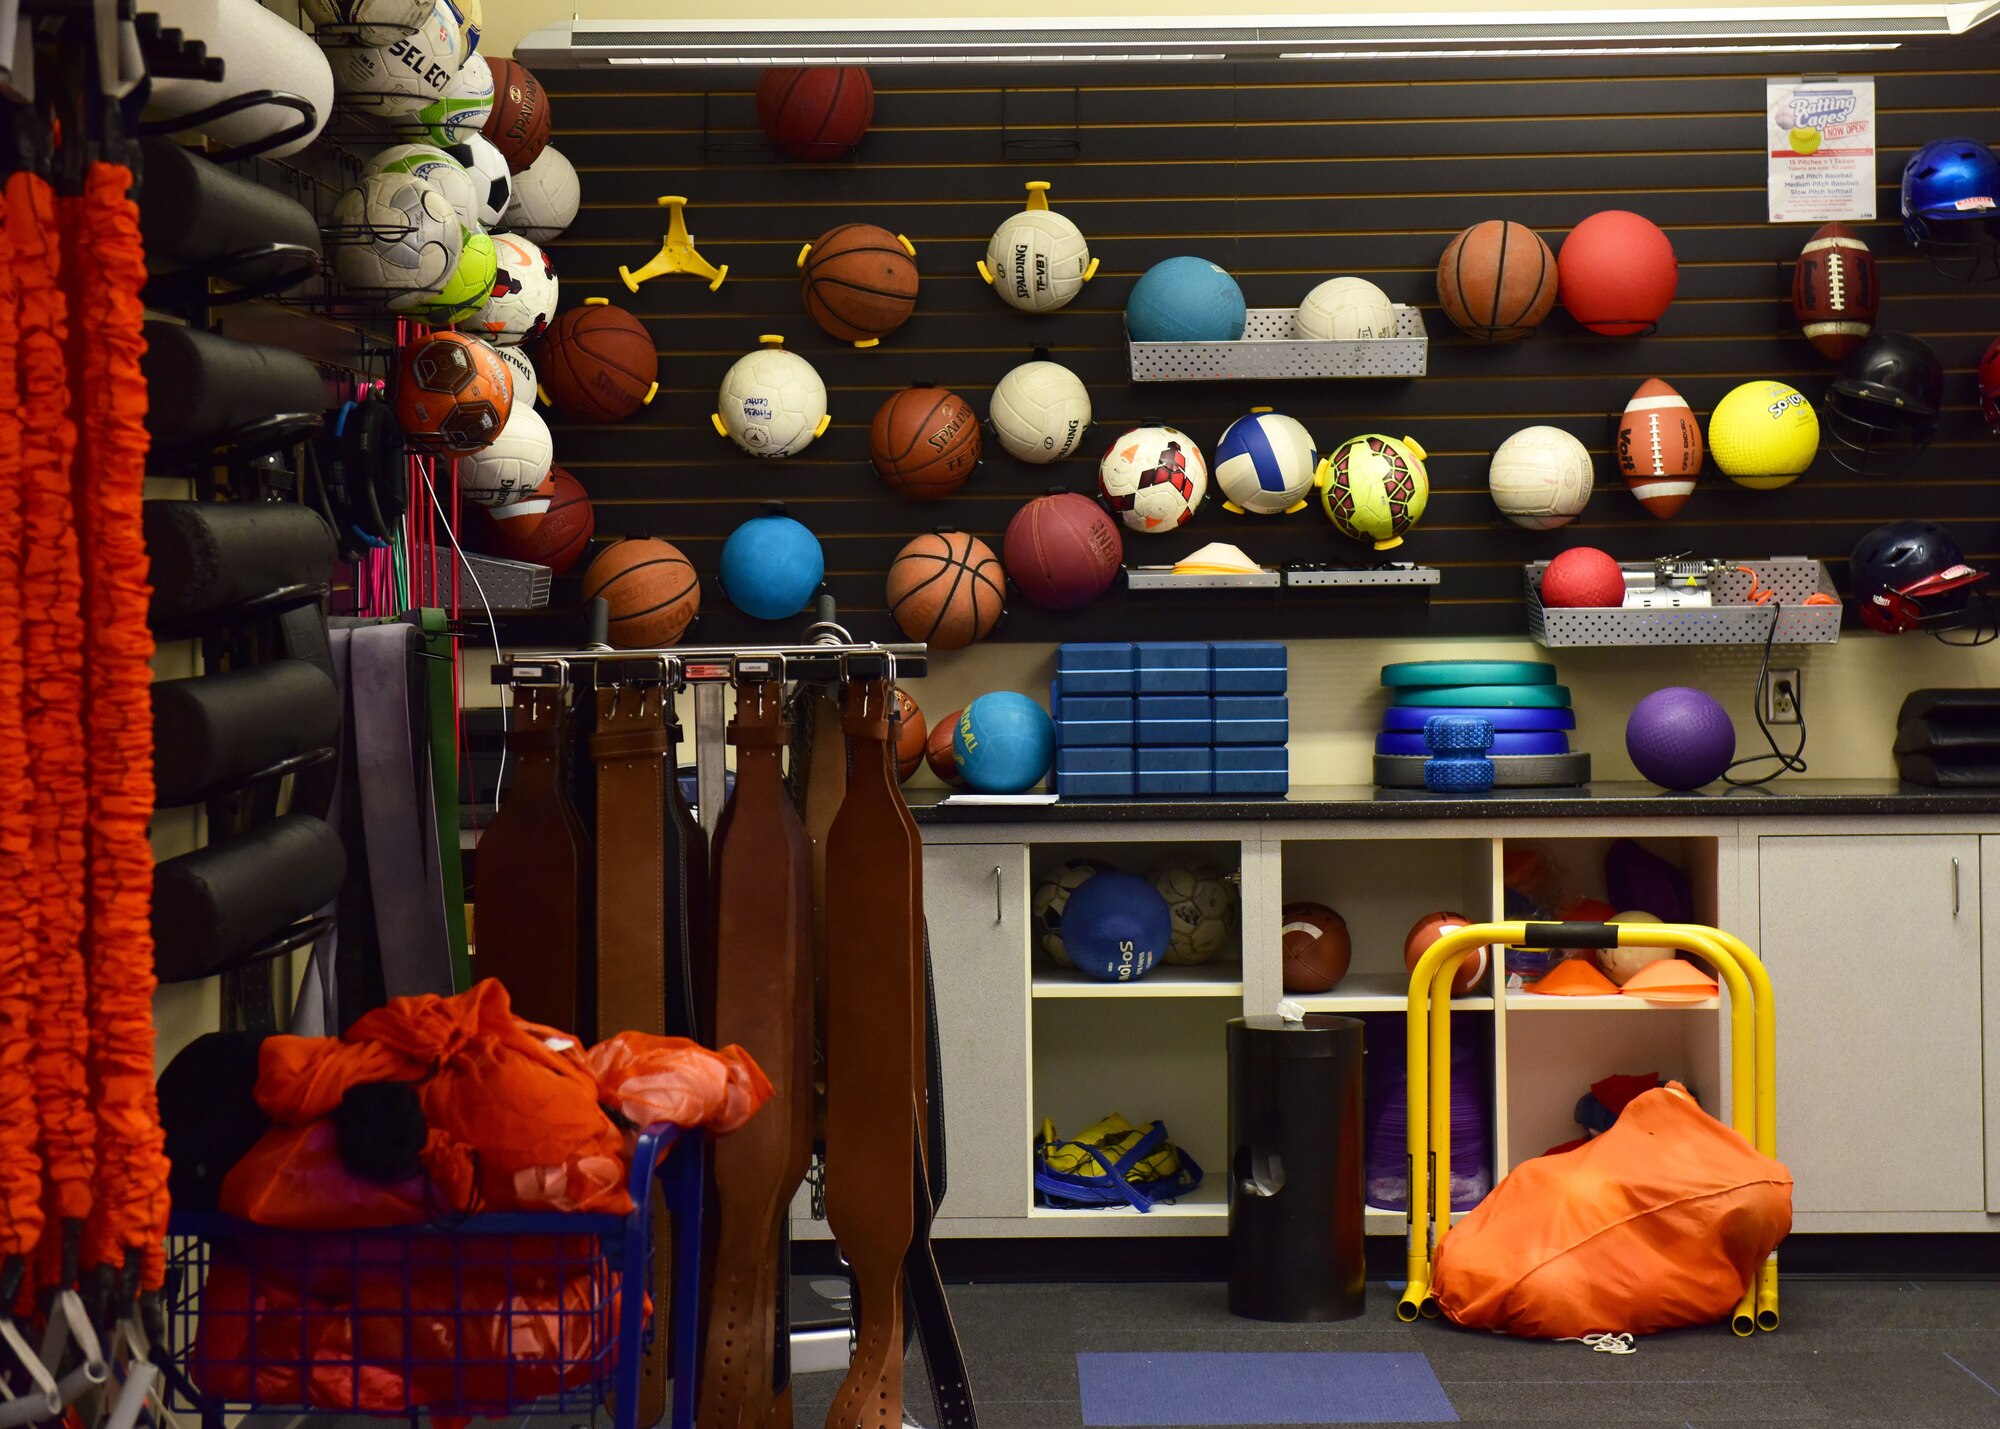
<point x="1834" y="292"/>
<point x="1659" y="448"/>
<point x="1583" y="576"/>
<point x="1063" y="550"/>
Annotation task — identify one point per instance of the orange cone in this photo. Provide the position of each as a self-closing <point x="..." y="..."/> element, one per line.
<point x="1671" y="980"/>
<point x="1574" y="977"/>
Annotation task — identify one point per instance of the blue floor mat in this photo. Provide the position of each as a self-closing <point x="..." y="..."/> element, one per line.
<point x="1144" y="1390"/>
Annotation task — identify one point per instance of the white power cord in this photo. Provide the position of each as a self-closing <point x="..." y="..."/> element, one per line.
<point x="491" y="625"/>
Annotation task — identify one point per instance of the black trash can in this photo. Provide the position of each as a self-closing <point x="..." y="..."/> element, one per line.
<point x="1295" y="1169"/>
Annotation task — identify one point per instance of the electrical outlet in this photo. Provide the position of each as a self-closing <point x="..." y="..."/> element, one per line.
<point x="1781" y="698"/>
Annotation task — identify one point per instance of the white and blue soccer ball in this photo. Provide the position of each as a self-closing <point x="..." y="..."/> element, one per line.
<point x="1264" y="463"/>
<point x="400" y="79"/>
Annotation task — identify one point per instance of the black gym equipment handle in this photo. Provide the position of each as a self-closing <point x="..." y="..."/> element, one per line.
<point x="1571" y="935"/>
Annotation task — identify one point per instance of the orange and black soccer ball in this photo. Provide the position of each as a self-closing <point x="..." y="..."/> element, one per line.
<point x="453" y="393"/>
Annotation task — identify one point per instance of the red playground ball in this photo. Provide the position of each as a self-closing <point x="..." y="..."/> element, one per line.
<point x="1063" y="550"/>
<point x="1583" y="576"/>
<point x="815" y="112"/>
<point x="939" y="754"/>
<point x="1617" y="273"/>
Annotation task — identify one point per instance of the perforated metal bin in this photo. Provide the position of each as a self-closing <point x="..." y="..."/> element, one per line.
<point x="1731" y="620"/>
<point x="507" y="585"/>
<point x="1268" y="351"/>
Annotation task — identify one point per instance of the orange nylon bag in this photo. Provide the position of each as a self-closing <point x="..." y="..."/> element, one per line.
<point x="1660" y="1222"/>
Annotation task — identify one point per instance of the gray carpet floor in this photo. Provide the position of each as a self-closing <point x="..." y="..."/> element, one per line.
<point x="1877" y="1353"/>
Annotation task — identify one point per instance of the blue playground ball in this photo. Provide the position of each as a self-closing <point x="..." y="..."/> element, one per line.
<point x="1120" y="930"/>
<point x="1004" y="743"/>
<point x="1185" y="300"/>
<point x="1680" y="738"/>
<point x="771" y="565"/>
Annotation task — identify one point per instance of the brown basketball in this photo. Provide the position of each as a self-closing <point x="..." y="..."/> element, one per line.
<point x="946" y="589"/>
<point x="1317" y="948"/>
<point x="519" y="124"/>
<point x="522" y="517"/>
<point x="940" y="755"/>
<point x="925" y="442"/>
<point x="1497" y="281"/>
<point x="910" y="734"/>
<point x="860" y="282"/>
<point x="556" y="540"/>
<point x="652" y="588"/>
<point x="598" y="363"/>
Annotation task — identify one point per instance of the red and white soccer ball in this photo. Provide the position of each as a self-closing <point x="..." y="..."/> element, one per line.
<point x="1659" y="448"/>
<point x="1834" y="292"/>
<point x="1153" y="478"/>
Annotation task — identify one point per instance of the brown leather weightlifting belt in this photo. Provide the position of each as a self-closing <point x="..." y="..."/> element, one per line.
<point x="534" y="875"/>
<point x="763" y="1000"/>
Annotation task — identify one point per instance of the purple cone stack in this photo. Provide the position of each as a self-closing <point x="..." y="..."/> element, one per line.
<point x="1388" y="1124"/>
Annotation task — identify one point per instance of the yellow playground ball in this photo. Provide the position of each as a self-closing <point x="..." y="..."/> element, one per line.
<point x="1763" y="435"/>
<point x="1805" y="140"/>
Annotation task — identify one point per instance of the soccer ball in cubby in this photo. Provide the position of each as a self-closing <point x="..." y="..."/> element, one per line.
<point x="399" y="240"/>
<point x="461" y="111"/>
<point x="515" y="464"/>
<point x="366" y="22"/>
<point x="524" y="292"/>
<point x="1540" y="478"/>
<point x="493" y="185"/>
<point x="470" y="285"/>
<point x="1265" y="463"/>
<point x="428" y="161"/>
<point x="1051" y="897"/>
<point x="771" y="403"/>
<point x="1153" y="478"/>
<point x="1040" y="412"/>
<point x="1374" y="488"/>
<point x="404" y="77"/>
<point x="1204" y="906"/>
<point x="546" y="196"/>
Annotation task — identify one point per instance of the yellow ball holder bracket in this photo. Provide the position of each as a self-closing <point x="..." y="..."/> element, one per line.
<point x="1038" y="202"/>
<point x="676" y="253"/>
<point x="805" y="250"/>
<point x="774" y="340"/>
<point x="542" y="391"/>
<point x="1753" y="1076"/>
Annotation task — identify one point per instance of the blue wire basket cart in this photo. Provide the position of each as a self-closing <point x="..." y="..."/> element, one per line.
<point x="491" y="1316"/>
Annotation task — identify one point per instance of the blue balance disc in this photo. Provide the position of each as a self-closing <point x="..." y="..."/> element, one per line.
<point x="1413" y="717"/>
<point x="1529" y="742"/>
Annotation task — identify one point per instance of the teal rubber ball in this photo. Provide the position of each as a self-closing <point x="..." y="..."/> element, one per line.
<point x="1004" y="743"/>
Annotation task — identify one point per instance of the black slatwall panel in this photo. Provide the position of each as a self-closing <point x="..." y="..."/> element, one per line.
<point x="1284" y="175"/>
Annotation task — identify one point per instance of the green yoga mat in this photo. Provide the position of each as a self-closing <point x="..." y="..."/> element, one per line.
<point x="1506" y="697"/>
<point x="1421" y="673"/>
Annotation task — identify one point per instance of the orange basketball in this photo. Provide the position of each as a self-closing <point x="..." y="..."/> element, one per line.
<point x="453" y="393"/>
<point x="1317" y="948"/>
<point x="924" y="441"/>
<point x="1428" y="930"/>
<point x="556" y="540"/>
<point x="1497" y="281"/>
<point x="652" y="588"/>
<point x="522" y="517"/>
<point x="940" y="755"/>
<point x="519" y="124"/>
<point x="946" y="589"/>
<point x="598" y="363"/>
<point x="860" y="282"/>
<point x="910" y="734"/>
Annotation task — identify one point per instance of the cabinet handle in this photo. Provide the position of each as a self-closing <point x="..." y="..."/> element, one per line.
<point x="1000" y="908"/>
<point x="1954" y="888"/>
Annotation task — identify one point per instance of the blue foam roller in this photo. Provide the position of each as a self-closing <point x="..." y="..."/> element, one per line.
<point x="1458" y="776"/>
<point x="1413" y="717"/>
<point x="1458" y="734"/>
<point x="1533" y="741"/>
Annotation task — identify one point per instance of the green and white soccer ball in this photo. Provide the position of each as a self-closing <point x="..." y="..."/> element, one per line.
<point x="523" y="303"/>
<point x="522" y="371"/>
<point x="546" y="196"/>
<point x="461" y="111"/>
<point x="492" y="184"/>
<point x="428" y="161"/>
<point x="1205" y="909"/>
<point x="399" y="79"/>
<point x="470" y="286"/>
<point x="771" y="402"/>
<point x="1051" y="897"/>
<point x="400" y="240"/>
<point x="366" y="22"/>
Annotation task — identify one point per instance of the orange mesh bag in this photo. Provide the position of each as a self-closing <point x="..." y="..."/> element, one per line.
<point x="1660" y="1222"/>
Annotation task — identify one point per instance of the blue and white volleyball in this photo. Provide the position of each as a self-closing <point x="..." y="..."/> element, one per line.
<point x="1264" y="463"/>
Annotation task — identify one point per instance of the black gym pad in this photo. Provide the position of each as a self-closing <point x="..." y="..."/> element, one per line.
<point x="1940" y="707"/>
<point x="1951" y="738"/>
<point x="208" y="557"/>
<point x="222" y="906"/>
<point x="215" y="732"/>
<point x="203" y="221"/>
<point x="204" y="389"/>
<point x="1941" y="771"/>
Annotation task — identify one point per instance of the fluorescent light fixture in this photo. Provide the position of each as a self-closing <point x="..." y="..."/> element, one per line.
<point x="1547" y="53"/>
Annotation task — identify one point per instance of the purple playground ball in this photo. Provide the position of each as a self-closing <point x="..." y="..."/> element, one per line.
<point x="1680" y="738"/>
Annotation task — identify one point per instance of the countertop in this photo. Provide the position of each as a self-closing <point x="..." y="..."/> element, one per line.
<point x="1786" y="798"/>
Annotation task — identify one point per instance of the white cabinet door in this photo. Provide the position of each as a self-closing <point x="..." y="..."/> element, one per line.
<point x="976" y="902"/>
<point x="1873" y="945"/>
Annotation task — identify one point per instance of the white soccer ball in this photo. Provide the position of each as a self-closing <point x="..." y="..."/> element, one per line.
<point x="492" y="185"/>
<point x="1040" y="412"/>
<point x="461" y="111"/>
<point x="546" y="196"/>
<point x="1051" y="897"/>
<point x="524" y="293"/>
<point x="428" y="161"/>
<point x="400" y="240"/>
<point x="517" y="461"/>
<point x="1621" y="963"/>
<point x="1153" y="478"/>
<point x="366" y="22"/>
<point x="401" y="78"/>
<point x="771" y="402"/>
<point x="1037" y="259"/>
<point x="1346" y="308"/>
<point x="522" y="371"/>
<point x="1265" y="463"/>
<point x="471" y="20"/>
<point x="1540" y="478"/>
<point x="1204" y="906"/>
